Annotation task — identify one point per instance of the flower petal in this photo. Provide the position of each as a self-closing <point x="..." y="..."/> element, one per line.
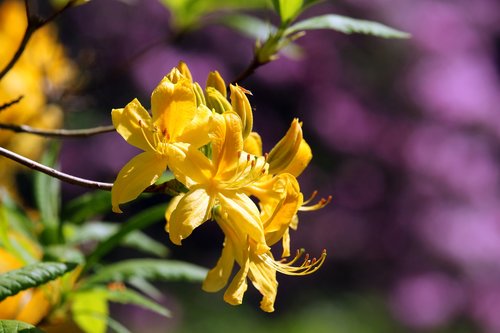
<point x="253" y="144"/>
<point x="263" y="278"/>
<point x="196" y="132"/>
<point x="234" y="293"/>
<point x="227" y="142"/>
<point x="134" y="124"/>
<point x="173" y="106"/>
<point x="192" y="210"/>
<point x="244" y="216"/>
<point x="189" y="165"/>
<point x="300" y="160"/>
<point x="218" y="276"/>
<point x="140" y="172"/>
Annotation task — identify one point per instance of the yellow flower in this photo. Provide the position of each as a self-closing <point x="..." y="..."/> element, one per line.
<point x="217" y="182"/>
<point x="260" y="268"/>
<point x="43" y="70"/>
<point x="176" y="124"/>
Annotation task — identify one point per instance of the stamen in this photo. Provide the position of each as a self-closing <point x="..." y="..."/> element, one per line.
<point x="307" y="267"/>
<point x="311" y="198"/>
<point x="322" y="203"/>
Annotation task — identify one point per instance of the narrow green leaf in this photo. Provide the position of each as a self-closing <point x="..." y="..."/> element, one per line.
<point x="117" y="327"/>
<point x="129" y="296"/>
<point x="31" y="276"/>
<point x="139" y="221"/>
<point x="48" y="196"/>
<point x="99" y="231"/>
<point x="86" y="206"/>
<point x="16" y="326"/>
<point x="63" y="253"/>
<point x="145" y="287"/>
<point x="149" y="269"/>
<point x="346" y="25"/>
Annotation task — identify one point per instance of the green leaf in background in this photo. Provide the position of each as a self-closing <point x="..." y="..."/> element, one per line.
<point x="16" y="242"/>
<point x="63" y="253"/>
<point x="16" y="216"/>
<point x="346" y="25"/>
<point x="149" y="269"/>
<point x="87" y="206"/>
<point x="15" y="326"/>
<point x="187" y="13"/>
<point x="99" y="231"/>
<point x="129" y="296"/>
<point x="137" y="222"/>
<point x="249" y="26"/>
<point x="48" y="196"/>
<point x="31" y="276"/>
<point x="90" y="310"/>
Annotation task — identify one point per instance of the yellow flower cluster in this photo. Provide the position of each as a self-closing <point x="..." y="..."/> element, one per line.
<point x="207" y="142"/>
<point x="42" y="70"/>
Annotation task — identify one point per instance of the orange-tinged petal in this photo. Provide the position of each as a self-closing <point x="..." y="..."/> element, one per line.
<point x="253" y="144"/>
<point x="192" y="210"/>
<point x="140" y="172"/>
<point x="227" y="142"/>
<point x="218" y="276"/>
<point x="173" y="106"/>
<point x="134" y="124"/>
<point x="244" y="216"/>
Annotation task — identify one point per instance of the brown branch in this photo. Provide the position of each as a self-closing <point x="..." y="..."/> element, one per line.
<point x="34" y="23"/>
<point x="249" y="70"/>
<point x="172" y="187"/>
<point x="54" y="173"/>
<point x="58" y="133"/>
<point x="9" y="104"/>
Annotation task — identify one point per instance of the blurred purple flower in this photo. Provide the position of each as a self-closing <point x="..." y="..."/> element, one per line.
<point x="427" y="300"/>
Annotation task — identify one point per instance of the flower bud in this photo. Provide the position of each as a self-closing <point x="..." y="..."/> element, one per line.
<point x="242" y="107"/>
<point x="216" y="81"/>
<point x="216" y="101"/>
<point x="285" y="150"/>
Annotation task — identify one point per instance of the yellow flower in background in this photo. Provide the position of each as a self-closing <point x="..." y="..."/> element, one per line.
<point x="175" y="124"/>
<point x="31" y="305"/>
<point x="43" y="70"/>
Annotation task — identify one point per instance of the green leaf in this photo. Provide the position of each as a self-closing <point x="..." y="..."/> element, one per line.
<point x="99" y="231"/>
<point x="90" y="310"/>
<point x="149" y="269"/>
<point x="129" y="296"/>
<point x="139" y="221"/>
<point x="48" y="196"/>
<point x="86" y="206"/>
<point x="288" y="9"/>
<point x="63" y="253"/>
<point x="249" y="26"/>
<point x="31" y="276"/>
<point x="346" y="25"/>
<point x="187" y="13"/>
<point x="16" y="326"/>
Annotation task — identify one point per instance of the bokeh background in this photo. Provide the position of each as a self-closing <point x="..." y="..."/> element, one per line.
<point x="405" y="136"/>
